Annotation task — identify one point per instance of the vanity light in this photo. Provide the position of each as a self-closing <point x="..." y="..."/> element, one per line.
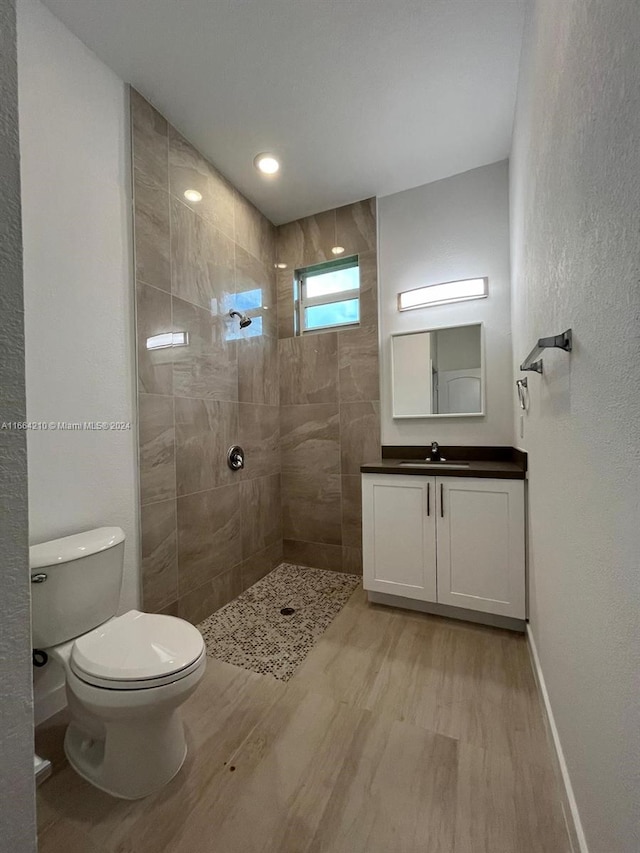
<point x="192" y="195"/>
<point x="338" y="250"/>
<point x="280" y="266"/>
<point x="168" y="339"/>
<point x="441" y="294"/>
<point x="267" y="164"/>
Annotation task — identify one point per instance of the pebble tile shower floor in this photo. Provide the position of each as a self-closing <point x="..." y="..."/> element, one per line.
<point x="253" y="632"/>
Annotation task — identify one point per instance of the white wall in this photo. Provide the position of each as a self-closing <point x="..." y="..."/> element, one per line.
<point x="17" y="789"/>
<point x="451" y="229"/>
<point x="78" y="291"/>
<point x="575" y="211"/>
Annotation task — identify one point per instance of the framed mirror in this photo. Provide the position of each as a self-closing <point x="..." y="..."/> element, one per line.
<point x="438" y="372"/>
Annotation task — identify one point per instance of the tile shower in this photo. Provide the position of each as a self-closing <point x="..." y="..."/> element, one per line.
<point x="329" y="396"/>
<point x="305" y="409"/>
<point x="207" y="532"/>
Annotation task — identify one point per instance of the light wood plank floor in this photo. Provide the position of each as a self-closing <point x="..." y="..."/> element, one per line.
<point x="400" y="733"/>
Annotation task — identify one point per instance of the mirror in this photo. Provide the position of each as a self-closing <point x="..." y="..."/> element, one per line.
<point x="438" y="372"/>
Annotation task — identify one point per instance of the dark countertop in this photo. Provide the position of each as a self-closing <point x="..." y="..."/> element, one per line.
<point x="503" y="463"/>
<point x="497" y="470"/>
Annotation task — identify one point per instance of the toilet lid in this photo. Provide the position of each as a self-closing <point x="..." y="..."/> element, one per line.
<point x="137" y="647"/>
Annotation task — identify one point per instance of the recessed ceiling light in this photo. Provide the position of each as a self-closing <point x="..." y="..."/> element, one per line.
<point x="338" y="250"/>
<point x="192" y="195"/>
<point x="267" y="164"/>
<point x="280" y="266"/>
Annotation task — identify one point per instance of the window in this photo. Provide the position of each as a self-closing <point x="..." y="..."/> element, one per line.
<point x="329" y="295"/>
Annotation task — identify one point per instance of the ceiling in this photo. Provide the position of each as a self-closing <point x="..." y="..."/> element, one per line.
<point x="357" y="97"/>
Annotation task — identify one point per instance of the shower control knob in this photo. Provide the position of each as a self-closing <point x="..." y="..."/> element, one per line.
<point x="40" y="577"/>
<point x="235" y="457"/>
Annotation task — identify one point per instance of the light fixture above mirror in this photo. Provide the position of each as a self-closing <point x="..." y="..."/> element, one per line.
<point x="165" y="340"/>
<point x="441" y="294"/>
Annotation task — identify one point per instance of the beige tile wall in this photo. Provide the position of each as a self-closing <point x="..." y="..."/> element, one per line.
<point x="329" y="396"/>
<point x="207" y="533"/>
<point x="306" y="410"/>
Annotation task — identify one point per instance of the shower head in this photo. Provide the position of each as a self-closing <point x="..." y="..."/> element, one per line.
<point x="244" y="320"/>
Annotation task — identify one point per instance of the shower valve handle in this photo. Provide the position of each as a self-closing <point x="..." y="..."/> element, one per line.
<point x="235" y="457"/>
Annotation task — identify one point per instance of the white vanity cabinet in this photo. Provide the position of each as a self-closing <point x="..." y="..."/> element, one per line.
<point x="448" y="540"/>
<point x="399" y="535"/>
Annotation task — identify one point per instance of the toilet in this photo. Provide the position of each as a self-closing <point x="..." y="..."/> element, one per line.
<point x="126" y="676"/>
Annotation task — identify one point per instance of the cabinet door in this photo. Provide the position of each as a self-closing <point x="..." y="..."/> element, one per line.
<point x="480" y="545"/>
<point x="398" y="532"/>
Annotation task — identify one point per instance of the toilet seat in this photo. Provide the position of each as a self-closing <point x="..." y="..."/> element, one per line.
<point x="137" y="651"/>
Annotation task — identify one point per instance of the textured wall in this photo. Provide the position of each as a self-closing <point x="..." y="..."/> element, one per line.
<point x="17" y="801"/>
<point x="329" y="396"/>
<point x="207" y="532"/>
<point x="575" y="211"/>
<point x="451" y="229"/>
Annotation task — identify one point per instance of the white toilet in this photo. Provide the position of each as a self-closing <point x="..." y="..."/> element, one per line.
<point x="126" y="676"/>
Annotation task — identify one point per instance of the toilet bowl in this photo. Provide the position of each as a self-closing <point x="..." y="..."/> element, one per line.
<point x="125" y="682"/>
<point x="126" y="676"/>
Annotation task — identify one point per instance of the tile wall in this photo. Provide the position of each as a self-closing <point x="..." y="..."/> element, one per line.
<point x="305" y="409"/>
<point x="207" y="532"/>
<point x="329" y="396"/>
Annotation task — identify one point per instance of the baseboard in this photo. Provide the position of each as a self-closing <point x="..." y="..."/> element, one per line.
<point x="41" y="769"/>
<point x="447" y="610"/>
<point x="570" y="807"/>
<point x="47" y="705"/>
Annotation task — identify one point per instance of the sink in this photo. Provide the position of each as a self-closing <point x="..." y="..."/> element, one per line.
<point x="424" y="464"/>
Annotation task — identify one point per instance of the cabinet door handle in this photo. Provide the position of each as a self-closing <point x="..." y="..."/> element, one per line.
<point x="428" y="499"/>
<point x="441" y="500"/>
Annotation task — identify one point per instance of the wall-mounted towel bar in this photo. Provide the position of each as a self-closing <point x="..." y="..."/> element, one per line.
<point x="534" y="362"/>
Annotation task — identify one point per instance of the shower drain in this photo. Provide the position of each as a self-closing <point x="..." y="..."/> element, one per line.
<point x="287" y="611"/>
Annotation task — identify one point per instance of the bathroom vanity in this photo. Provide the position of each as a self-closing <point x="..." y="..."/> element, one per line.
<point x="447" y="537"/>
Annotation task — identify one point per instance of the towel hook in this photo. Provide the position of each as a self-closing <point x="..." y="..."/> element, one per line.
<point x="522" y="386"/>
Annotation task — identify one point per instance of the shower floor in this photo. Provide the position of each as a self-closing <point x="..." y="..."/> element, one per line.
<point x="253" y="632"/>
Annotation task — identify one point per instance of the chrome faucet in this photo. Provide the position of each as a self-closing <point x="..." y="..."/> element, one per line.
<point x="435" y="453"/>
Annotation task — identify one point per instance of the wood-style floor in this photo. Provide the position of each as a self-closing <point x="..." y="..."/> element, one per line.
<point x="401" y="733"/>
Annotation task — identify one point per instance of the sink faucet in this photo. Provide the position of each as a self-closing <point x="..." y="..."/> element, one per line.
<point x="435" y="452"/>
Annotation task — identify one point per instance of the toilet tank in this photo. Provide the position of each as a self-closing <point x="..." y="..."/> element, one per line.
<point x="75" y="584"/>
